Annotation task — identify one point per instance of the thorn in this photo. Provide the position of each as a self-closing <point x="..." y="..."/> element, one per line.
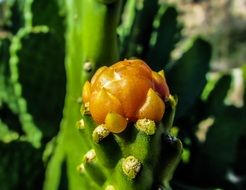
<point x="81" y="168"/>
<point x="85" y="109"/>
<point x="146" y="125"/>
<point x="90" y="156"/>
<point x="131" y="166"/>
<point x="88" y="66"/>
<point x="99" y="133"/>
<point x="80" y="124"/>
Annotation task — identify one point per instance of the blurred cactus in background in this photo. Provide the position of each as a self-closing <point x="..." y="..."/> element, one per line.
<point x="32" y="88"/>
<point x="48" y="50"/>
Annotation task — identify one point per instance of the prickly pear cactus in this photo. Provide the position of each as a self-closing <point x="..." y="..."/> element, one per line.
<point x="126" y="146"/>
<point x="120" y="151"/>
<point x="129" y="148"/>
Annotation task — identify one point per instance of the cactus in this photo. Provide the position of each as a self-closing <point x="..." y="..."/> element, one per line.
<point x="140" y="157"/>
<point x="84" y="154"/>
<point x="129" y="157"/>
<point x="90" y="43"/>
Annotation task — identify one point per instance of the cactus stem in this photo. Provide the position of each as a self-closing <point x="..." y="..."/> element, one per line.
<point x="75" y="16"/>
<point x="131" y="166"/>
<point x="80" y="124"/>
<point x="110" y="187"/>
<point x="81" y="168"/>
<point x="99" y="133"/>
<point x="146" y="125"/>
<point x="90" y="156"/>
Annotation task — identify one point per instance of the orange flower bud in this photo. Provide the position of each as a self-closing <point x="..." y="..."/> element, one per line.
<point x="102" y="103"/>
<point x="115" y="123"/>
<point x="86" y="92"/>
<point x="160" y="84"/>
<point x="153" y="107"/>
<point x="127" y="91"/>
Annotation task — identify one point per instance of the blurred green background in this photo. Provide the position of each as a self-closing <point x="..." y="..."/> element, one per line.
<point x="199" y="44"/>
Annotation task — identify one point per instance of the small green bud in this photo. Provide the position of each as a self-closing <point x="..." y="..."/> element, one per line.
<point x="99" y="133"/>
<point x="146" y="125"/>
<point x="131" y="166"/>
